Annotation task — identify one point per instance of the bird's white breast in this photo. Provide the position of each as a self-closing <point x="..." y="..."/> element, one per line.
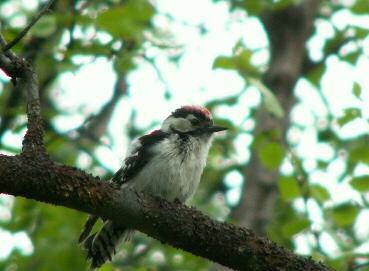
<point x="174" y="171"/>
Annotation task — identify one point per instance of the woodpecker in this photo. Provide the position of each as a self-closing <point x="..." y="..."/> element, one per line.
<point x="167" y="163"/>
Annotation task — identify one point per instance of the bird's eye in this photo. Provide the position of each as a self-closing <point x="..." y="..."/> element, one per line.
<point x="195" y="121"/>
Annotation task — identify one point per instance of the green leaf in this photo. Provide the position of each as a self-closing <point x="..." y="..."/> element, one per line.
<point x="361" y="183"/>
<point x="84" y="20"/>
<point x="344" y="214"/>
<point x="245" y="67"/>
<point x="295" y="226"/>
<point x="253" y="7"/>
<point x="359" y="154"/>
<point x="340" y="263"/>
<point x="349" y="115"/>
<point x="238" y="47"/>
<point x="271" y="155"/>
<point x="282" y="4"/>
<point x="241" y="61"/>
<point x="224" y="62"/>
<point x="316" y="74"/>
<point x="271" y="102"/>
<point x="356" y="90"/>
<point x="319" y="193"/>
<point x="129" y="20"/>
<point x="124" y="62"/>
<point x="360" y="32"/>
<point x="332" y="44"/>
<point x="44" y="27"/>
<point x="361" y="7"/>
<point x="230" y="100"/>
<point x="288" y="188"/>
<point x="351" y="57"/>
<point x="323" y="164"/>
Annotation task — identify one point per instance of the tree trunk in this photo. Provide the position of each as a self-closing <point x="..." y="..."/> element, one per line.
<point x="288" y="30"/>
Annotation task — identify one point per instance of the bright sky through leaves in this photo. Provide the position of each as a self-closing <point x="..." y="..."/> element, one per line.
<point x="194" y="81"/>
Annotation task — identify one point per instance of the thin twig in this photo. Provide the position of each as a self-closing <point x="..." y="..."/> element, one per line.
<point x="3" y="44"/>
<point x="16" y="67"/>
<point x="2" y="41"/>
<point x="28" y="27"/>
<point x="158" y="72"/>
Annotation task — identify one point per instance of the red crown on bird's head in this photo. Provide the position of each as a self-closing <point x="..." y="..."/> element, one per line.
<point x="198" y="110"/>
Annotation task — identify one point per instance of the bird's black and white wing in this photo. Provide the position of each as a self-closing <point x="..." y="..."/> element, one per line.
<point x="138" y="156"/>
<point x="101" y="246"/>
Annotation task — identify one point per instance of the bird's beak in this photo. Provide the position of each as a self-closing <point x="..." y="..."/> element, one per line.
<point x="214" y="129"/>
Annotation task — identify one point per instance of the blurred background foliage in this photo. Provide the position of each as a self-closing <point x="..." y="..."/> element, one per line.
<point x="317" y="205"/>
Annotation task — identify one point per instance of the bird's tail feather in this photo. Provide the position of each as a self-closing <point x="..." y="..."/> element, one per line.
<point x="101" y="246"/>
<point x="87" y="228"/>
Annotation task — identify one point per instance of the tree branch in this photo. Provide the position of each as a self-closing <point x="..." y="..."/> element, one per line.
<point x="16" y="67"/>
<point x="28" y="27"/>
<point x="172" y="223"/>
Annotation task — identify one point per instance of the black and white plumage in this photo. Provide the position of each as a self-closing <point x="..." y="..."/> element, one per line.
<point x="167" y="163"/>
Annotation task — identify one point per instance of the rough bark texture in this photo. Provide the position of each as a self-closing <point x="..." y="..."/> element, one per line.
<point x="171" y="223"/>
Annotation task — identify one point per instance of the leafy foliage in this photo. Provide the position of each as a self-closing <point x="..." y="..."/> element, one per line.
<point x="344" y="214"/>
<point x="350" y="115"/>
<point x="124" y="33"/>
<point x="241" y="61"/>
<point x="289" y="188"/>
<point x="361" y="183"/>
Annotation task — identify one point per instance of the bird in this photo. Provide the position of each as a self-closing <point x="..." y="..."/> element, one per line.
<point x="166" y="163"/>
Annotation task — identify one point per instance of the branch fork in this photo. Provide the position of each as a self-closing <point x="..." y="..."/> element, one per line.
<point x="20" y="70"/>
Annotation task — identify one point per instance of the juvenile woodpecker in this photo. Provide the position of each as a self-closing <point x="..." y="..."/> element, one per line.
<point x="167" y="163"/>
